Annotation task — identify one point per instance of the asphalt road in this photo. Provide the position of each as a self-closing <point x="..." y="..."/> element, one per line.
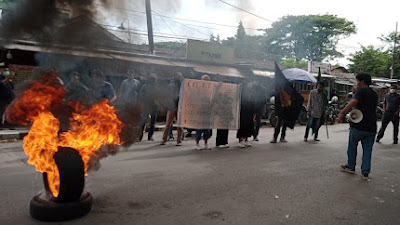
<point x="283" y="183"/>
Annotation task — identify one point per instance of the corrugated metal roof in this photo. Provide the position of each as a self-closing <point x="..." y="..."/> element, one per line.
<point x="57" y="51"/>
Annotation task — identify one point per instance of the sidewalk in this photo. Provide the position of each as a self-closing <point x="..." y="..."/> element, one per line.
<point x="18" y="133"/>
<point x="7" y="135"/>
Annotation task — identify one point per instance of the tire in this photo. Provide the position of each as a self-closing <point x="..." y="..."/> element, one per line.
<point x="333" y="120"/>
<point x="44" y="209"/>
<point x="272" y="119"/>
<point x="302" y="117"/>
<point x="72" y="175"/>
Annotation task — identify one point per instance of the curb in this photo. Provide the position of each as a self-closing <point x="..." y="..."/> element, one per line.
<point x="12" y="135"/>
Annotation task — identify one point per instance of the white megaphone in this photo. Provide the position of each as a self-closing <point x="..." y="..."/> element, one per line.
<point x="354" y="116"/>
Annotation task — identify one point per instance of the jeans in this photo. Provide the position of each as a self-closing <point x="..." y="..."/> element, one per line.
<point x="387" y="117"/>
<point x="367" y="140"/>
<point x="314" y="124"/>
<point x="206" y="133"/>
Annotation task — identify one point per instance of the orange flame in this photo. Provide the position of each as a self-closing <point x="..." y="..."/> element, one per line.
<point x="90" y="127"/>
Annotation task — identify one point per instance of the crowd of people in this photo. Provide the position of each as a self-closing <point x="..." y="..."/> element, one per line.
<point x="139" y="102"/>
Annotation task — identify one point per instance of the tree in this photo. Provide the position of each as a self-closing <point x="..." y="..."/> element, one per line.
<point x="240" y="42"/>
<point x="389" y="40"/>
<point x="246" y="47"/>
<point x="215" y="40"/>
<point x="293" y="63"/>
<point x="375" y="61"/>
<point x="311" y="37"/>
<point x="212" y="38"/>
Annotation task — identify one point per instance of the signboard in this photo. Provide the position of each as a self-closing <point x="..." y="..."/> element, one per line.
<point x="326" y="68"/>
<point x="209" y="52"/>
<point x="22" y="72"/>
<point x="209" y="105"/>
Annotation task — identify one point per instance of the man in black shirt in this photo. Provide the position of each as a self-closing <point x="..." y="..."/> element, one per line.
<point x="391" y="108"/>
<point x="366" y="101"/>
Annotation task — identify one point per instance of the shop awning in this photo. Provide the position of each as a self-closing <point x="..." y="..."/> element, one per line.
<point x="57" y="51"/>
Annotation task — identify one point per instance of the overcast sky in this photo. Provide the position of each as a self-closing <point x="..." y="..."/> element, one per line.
<point x="372" y="18"/>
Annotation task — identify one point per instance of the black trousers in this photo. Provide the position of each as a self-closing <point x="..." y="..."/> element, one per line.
<point x="257" y="124"/>
<point x="222" y="137"/>
<point x="280" y="123"/>
<point x="389" y="117"/>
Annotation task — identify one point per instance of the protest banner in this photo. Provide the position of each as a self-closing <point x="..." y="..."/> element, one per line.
<point x="209" y="105"/>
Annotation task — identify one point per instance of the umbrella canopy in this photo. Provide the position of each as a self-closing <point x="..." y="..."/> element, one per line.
<point x="299" y="75"/>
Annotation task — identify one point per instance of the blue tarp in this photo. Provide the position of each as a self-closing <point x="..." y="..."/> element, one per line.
<point x="299" y="75"/>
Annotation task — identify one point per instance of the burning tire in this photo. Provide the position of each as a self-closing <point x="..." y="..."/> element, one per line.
<point x="70" y="202"/>
<point x="72" y="175"/>
<point x="44" y="209"/>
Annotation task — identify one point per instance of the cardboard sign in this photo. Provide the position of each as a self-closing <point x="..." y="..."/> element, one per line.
<point x="209" y="105"/>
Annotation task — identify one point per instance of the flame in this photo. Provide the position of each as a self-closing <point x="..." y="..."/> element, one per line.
<point x="90" y="127"/>
<point x="41" y="144"/>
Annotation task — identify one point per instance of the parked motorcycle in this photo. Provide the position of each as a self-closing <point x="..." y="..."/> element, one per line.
<point x="333" y="111"/>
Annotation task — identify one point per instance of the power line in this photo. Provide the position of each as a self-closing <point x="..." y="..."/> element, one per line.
<point x="185" y="25"/>
<point x="144" y="33"/>
<point x="236" y="7"/>
<point x="217" y="24"/>
<point x="177" y="18"/>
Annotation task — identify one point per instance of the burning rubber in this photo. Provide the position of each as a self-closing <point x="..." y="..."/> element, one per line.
<point x="70" y="203"/>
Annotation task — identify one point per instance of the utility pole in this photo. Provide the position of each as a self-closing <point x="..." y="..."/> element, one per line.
<point x="149" y="26"/>
<point x="394" y="53"/>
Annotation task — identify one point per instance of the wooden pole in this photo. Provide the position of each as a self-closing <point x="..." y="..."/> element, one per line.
<point x="394" y="53"/>
<point x="149" y="26"/>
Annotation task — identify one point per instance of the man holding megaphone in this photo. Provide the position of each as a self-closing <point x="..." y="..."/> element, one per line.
<point x="362" y="125"/>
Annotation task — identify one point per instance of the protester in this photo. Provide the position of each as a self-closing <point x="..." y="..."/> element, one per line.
<point x="172" y="109"/>
<point x="203" y="133"/>
<point x="6" y="92"/>
<point x="391" y="109"/>
<point x="366" y="100"/>
<point x="260" y="104"/>
<point x="247" y="111"/>
<point x="101" y="88"/>
<point x="280" y="123"/>
<point x="317" y="102"/>
<point x="222" y="138"/>
<point x="76" y="90"/>
<point x="128" y="109"/>
<point x="129" y="89"/>
<point x="149" y="104"/>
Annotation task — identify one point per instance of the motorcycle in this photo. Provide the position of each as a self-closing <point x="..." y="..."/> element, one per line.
<point x="332" y="112"/>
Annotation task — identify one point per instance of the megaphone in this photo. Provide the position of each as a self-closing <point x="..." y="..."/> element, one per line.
<point x="354" y="116"/>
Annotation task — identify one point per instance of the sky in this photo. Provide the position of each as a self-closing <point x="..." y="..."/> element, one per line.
<point x="178" y="18"/>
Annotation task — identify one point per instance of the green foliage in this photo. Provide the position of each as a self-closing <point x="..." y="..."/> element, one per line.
<point x="240" y="43"/>
<point x="215" y="40"/>
<point x="293" y="63"/>
<point x="312" y="37"/>
<point x="245" y="46"/>
<point x="375" y="61"/>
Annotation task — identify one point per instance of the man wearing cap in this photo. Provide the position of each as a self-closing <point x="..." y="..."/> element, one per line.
<point x="391" y="109"/>
<point x="6" y="91"/>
